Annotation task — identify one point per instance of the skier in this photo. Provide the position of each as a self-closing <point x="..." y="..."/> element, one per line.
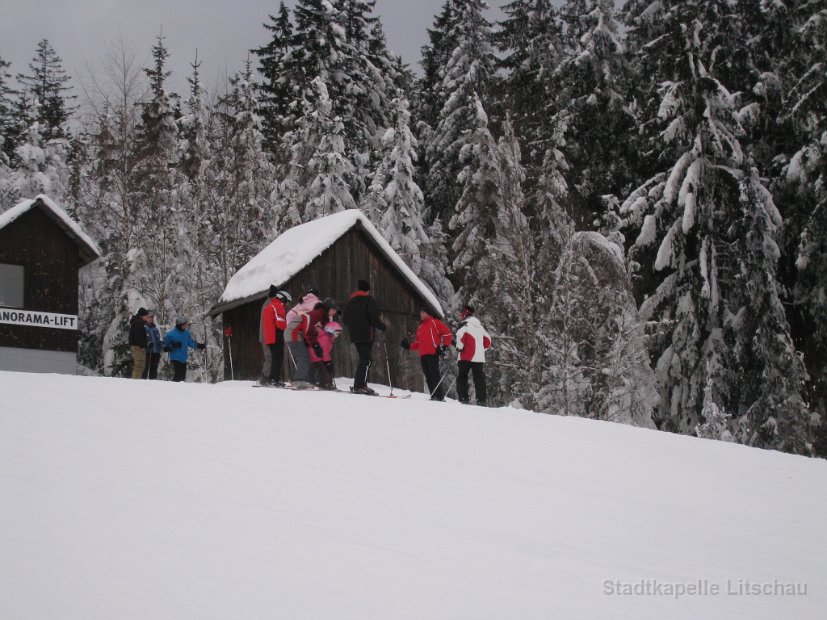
<point x="432" y="340"/>
<point x="177" y="343"/>
<point x="138" y="342"/>
<point x="153" y="349"/>
<point x="322" y="355"/>
<point x="362" y="318"/>
<point x="472" y="341"/>
<point x="297" y="326"/>
<point x="315" y="338"/>
<point x="273" y="324"/>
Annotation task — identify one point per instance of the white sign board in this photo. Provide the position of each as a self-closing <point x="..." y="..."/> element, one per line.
<point x="32" y="318"/>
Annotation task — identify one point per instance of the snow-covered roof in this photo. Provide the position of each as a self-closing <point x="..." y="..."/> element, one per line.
<point x="296" y="248"/>
<point x="89" y="250"/>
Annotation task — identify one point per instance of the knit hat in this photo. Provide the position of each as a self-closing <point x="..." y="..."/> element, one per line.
<point x="180" y="321"/>
<point x="142" y="312"/>
<point x="363" y="285"/>
<point x="466" y="311"/>
<point x="273" y="291"/>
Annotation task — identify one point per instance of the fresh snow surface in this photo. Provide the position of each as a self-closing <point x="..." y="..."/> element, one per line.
<point x="133" y="500"/>
<point x="297" y="247"/>
<point x="7" y="217"/>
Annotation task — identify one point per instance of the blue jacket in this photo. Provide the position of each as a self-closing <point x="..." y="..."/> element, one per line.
<point x="180" y="341"/>
<point x="153" y="337"/>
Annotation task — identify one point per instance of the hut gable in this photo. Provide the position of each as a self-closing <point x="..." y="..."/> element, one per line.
<point x="89" y="250"/>
<point x="298" y="247"/>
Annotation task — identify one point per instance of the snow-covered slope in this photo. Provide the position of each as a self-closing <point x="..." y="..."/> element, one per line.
<point x="127" y="499"/>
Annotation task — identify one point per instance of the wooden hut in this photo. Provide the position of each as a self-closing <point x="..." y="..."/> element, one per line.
<point x="41" y="251"/>
<point x="330" y="254"/>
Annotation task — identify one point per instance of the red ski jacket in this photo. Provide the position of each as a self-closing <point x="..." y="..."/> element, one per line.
<point x="430" y="334"/>
<point x="272" y="319"/>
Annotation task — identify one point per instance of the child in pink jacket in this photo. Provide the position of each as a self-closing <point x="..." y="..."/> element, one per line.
<point x="325" y="336"/>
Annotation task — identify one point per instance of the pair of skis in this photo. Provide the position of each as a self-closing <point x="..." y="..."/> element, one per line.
<point x="351" y="391"/>
<point x="315" y="389"/>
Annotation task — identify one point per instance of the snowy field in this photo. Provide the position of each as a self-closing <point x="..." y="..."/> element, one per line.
<point x="151" y="500"/>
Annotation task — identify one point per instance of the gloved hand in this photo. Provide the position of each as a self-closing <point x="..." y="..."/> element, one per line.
<point x="405" y="344"/>
<point x="317" y="349"/>
<point x="167" y="349"/>
<point x="176" y="344"/>
<point x="442" y="350"/>
<point x="200" y="346"/>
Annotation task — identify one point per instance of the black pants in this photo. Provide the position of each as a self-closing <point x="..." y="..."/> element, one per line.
<point x="179" y="371"/>
<point x="151" y="370"/>
<point x="365" y="351"/>
<point x="430" y="367"/>
<point x="478" y="370"/>
<point x="276" y="356"/>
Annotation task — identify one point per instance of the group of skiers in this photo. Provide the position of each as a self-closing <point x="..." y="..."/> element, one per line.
<point x="310" y="330"/>
<point x="146" y="345"/>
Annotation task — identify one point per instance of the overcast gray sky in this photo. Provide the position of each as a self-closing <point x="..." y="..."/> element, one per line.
<point x="222" y="30"/>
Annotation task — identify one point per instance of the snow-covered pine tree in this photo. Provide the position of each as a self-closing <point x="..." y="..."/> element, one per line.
<point x="590" y="89"/>
<point x="474" y="220"/>
<point x="429" y="97"/>
<point x="595" y="363"/>
<point x="47" y="87"/>
<point x="334" y="42"/>
<point x="318" y="183"/>
<point x="529" y="42"/>
<point x="803" y="199"/>
<point x="465" y="86"/>
<point x="239" y="209"/>
<point x="275" y="92"/>
<point x="201" y="287"/>
<point x="162" y="230"/>
<point x="686" y="209"/>
<point x="7" y="121"/>
<point x="39" y="166"/>
<point x="395" y="204"/>
<point x="770" y="373"/>
<point x="508" y="302"/>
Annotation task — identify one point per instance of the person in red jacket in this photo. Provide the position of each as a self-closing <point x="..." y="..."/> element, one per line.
<point x="472" y="342"/>
<point x="432" y="339"/>
<point x="273" y="324"/>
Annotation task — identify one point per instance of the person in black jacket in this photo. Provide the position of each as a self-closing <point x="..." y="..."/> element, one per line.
<point x="138" y="342"/>
<point x="362" y="318"/>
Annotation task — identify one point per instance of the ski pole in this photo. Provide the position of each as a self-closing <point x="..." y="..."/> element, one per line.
<point x="388" y="364"/>
<point x="204" y="357"/>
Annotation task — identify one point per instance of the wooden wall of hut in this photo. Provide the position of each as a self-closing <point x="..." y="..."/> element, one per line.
<point x="50" y="279"/>
<point x="335" y="274"/>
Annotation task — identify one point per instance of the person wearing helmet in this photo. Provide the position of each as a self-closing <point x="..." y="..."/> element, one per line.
<point x="177" y="343"/>
<point x="297" y="325"/>
<point x="273" y="324"/>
